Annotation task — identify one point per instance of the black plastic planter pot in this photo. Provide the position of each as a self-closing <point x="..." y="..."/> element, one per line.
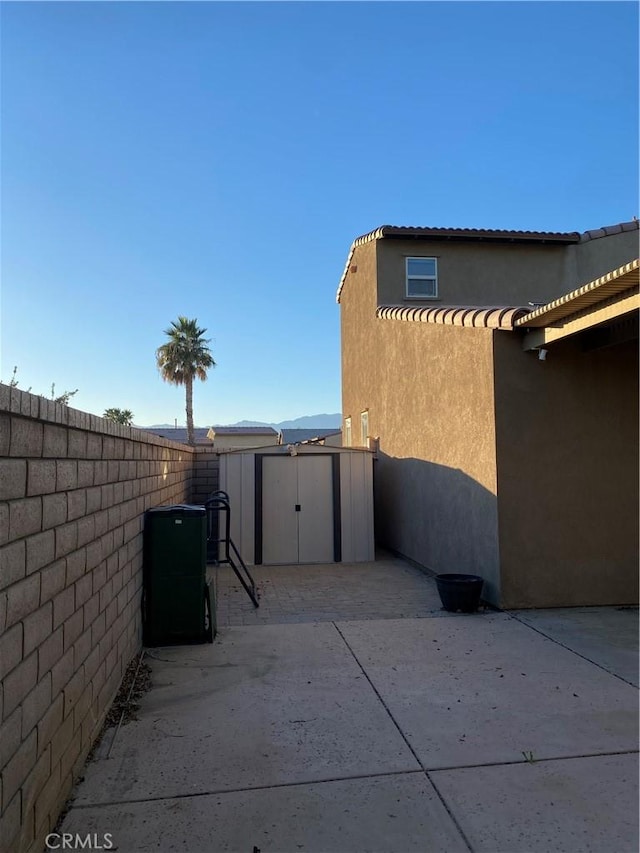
<point x="460" y="592"/>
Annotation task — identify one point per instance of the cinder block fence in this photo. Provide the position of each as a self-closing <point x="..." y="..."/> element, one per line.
<point x="206" y="474"/>
<point x="73" y="492"/>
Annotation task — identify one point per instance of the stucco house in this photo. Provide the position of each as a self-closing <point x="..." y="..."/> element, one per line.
<point x="497" y="374"/>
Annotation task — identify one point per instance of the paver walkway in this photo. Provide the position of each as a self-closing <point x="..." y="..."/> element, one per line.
<point x="390" y="588"/>
<point x="328" y="725"/>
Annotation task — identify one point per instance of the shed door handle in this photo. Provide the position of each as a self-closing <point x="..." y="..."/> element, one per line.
<point x="297" y="507"/>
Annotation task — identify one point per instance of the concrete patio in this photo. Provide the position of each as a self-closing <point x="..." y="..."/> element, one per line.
<point x="350" y="713"/>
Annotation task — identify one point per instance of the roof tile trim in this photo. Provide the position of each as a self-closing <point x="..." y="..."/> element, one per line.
<point x="480" y="233"/>
<point x="607" y="230"/>
<point x="489" y="317"/>
<point x="473" y="233"/>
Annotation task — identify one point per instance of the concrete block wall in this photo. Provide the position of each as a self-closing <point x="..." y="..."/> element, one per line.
<point x="73" y="491"/>
<point x="206" y="470"/>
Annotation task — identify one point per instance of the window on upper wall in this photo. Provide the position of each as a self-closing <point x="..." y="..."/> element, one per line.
<point x="347" y="432"/>
<point x="422" y="278"/>
<point x="364" y="428"/>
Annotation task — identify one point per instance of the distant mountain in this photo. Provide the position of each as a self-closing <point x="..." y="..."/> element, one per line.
<point x="305" y="422"/>
<point x="312" y="422"/>
<point x="160" y="426"/>
<point x="246" y="424"/>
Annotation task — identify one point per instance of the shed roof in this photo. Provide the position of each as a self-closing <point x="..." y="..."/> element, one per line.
<point x="292" y="450"/>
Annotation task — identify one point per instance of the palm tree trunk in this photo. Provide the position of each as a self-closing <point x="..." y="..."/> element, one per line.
<point x="189" y="394"/>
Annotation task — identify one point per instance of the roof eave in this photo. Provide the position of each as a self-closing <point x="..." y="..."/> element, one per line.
<point x="478" y="235"/>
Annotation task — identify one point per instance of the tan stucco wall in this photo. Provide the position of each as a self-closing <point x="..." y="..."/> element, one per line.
<point x="429" y="393"/>
<point x="474" y="273"/>
<point x="567" y="530"/>
<point x="500" y="273"/>
<point x="589" y="260"/>
<point x="567" y="437"/>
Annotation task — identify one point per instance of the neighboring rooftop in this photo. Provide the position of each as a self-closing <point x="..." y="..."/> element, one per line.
<point x="205" y="435"/>
<point x="234" y="430"/>
<point x="180" y="434"/>
<point x="296" y="436"/>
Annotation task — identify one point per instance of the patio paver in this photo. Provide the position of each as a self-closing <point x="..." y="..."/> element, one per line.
<point x="389" y="588"/>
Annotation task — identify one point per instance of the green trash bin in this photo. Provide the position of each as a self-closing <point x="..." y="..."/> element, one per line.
<point x="177" y="606"/>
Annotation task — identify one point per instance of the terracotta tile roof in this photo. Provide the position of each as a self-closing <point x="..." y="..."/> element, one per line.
<point x="610" y="285"/>
<point x="491" y="317"/>
<point x="634" y="225"/>
<point x="402" y="231"/>
<point x="480" y="235"/>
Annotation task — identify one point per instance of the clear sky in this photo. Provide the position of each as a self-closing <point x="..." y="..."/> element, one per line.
<point x="216" y="160"/>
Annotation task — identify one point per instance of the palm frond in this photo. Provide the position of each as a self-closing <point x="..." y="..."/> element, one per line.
<point x="185" y="354"/>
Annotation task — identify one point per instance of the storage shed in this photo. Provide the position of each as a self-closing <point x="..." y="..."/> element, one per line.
<point x="300" y="504"/>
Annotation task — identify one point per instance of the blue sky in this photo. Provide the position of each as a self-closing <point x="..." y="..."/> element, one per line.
<point x="216" y="160"/>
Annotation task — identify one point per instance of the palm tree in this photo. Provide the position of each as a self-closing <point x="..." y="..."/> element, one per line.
<point x="183" y="358"/>
<point x="119" y="416"/>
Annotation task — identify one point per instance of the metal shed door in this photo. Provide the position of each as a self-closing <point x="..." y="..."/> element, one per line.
<point x="297" y="509"/>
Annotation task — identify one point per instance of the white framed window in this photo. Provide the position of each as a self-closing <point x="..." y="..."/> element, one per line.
<point x="364" y="427"/>
<point x="347" y="432"/>
<point x="422" y="278"/>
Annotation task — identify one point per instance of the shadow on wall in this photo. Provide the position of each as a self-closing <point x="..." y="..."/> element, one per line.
<point x="439" y="517"/>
